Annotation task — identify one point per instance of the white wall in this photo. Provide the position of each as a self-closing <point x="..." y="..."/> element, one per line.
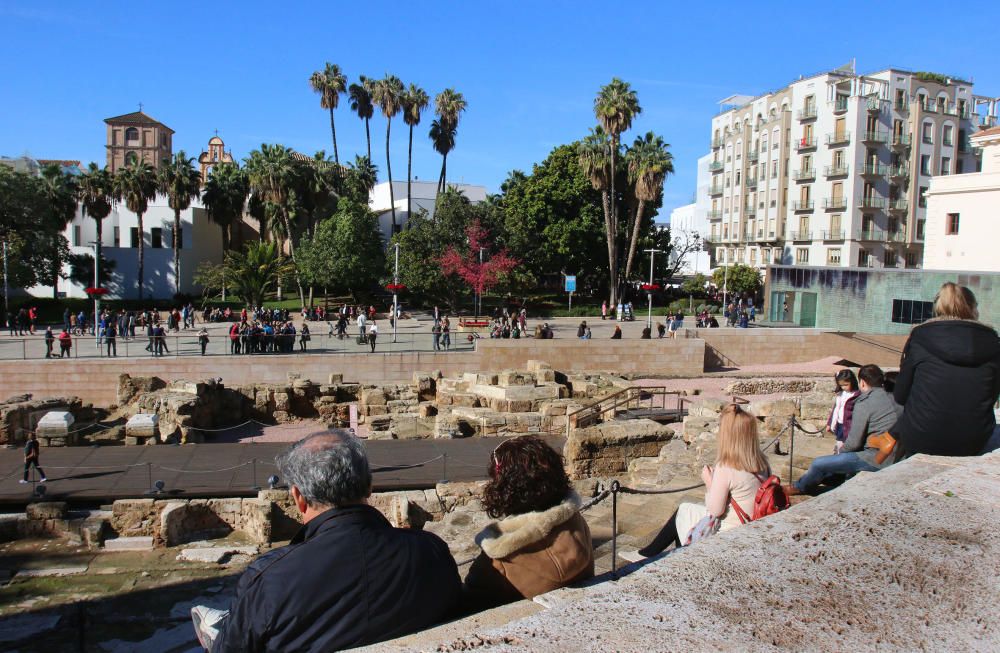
<point x="423" y="193"/>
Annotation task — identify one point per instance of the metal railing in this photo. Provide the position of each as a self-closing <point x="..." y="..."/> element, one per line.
<point x="876" y="137"/>
<point x="807" y="114"/>
<point x="715" y="189"/>
<point x="800" y="235"/>
<point x="835" y="203"/>
<point x="717" y="142"/>
<point x="841" y="138"/>
<point x="801" y="175"/>
<point x="753" y="156"/>
<point x="874" y="169"/>
<point x="805" y="143"/>
<point x="899" y="171"/>
<point x="900" y="140"/>
<point x="716" y="166"/>
<point x="872" y="202"/>
<point x="833" y="234"/>
<point x="836" y="171"/>
<point x="751" y="182"/>
<point x="899" y="205"/>
<point x="840" y="105"/>
<point x="802" y="205"/>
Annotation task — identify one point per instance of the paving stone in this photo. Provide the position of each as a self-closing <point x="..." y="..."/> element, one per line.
<point x="136" y="543"/>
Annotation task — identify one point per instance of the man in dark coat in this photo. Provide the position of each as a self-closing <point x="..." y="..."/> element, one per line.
<point x="348" y="578"/>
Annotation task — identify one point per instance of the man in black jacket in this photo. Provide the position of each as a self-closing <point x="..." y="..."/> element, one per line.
<point x="348" y="578"/>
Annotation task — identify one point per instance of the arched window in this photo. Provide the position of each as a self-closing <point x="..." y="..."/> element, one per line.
<point x="131" y="157"/>
<point x="131" y="134"/>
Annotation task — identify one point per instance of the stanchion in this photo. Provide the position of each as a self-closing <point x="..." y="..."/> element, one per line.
<point x="444" y="464"/>
<point x="615" y="486"/>
<point x="791" y="448"/>
<point x="253" y="472"/>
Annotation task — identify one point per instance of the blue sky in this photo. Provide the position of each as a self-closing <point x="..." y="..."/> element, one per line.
<point x="529" y="71"/>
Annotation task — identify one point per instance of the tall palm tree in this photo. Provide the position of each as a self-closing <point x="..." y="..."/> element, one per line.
<point x="389" y="97"/>
<point x="271" y="171"/>
<point x="649" y="162"/>
<point x="330" y="83"/>
<point x="136" y="185"/>
<point x="180" y="181"/>
<point x="615" y="106"/>
<point x="363" y="105"/>
<point x="59" y="191"/>
<point x="448" y="105"/>
<point x="95" y="190"/>
<point x="225" y="197"/>
<point x="443" y="138"/>
<point x="594" y="153"/>
<point x="415" y="100"/>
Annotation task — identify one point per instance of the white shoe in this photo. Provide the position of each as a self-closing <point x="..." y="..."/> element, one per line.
<point x="205" y="621"/>
<point x="23" y="482"/>
<point x="43" y="480"/>
<point x="631" y="556"/>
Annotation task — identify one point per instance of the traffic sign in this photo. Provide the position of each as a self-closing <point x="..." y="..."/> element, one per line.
<point x="570" y="283"/>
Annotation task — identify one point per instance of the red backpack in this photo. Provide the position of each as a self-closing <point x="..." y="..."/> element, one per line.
<point x="771" y="498"/>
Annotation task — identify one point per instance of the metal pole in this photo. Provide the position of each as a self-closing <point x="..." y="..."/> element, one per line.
<point x="649" y="295"/>
<point x="395" y="301"/>
<point x="97" y="298"/>
<point x="725" y="282"/>
<point x="479" y="294"/>
<point x="615" y="486"/>
<point x="791" y="448"/>
<point x="6" y="303"/>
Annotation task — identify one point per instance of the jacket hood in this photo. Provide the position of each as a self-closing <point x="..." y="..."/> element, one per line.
<point x="967" y="343"/>
<point x="504" y="537"/>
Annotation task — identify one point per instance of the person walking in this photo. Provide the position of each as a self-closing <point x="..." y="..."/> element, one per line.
<point x="304" y="336"/>
<point x="65" y="344"/>
<point x="604" y="310"/>
<point x="203" y="339"/>
<point x="436" y="332"/>
<point x="446" y="334"/>
<point x="50" y="340"/>
<point x="110" y="331"/>
<point x="31" y="454"/>
<point x="373" y="335"/>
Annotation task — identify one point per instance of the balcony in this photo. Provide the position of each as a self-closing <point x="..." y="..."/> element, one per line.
<point x="751" y="183"/>
<point x="873" y="202"/>
<point x="838" y="139"/>
<point x="715" y="214"/>
<point x="835" y="234"/>
<point x="717" y="142"/>
<point x="800" y="235"/>
<point x="929" y="107"/>
<point x="899" y="205"/>
<point x="900" y="140"/>
<point x="840" y="104"/>
<point x="715" y="189"/>
<point x="716" y="166"/>
<point x="873" y="103"/>
<point x="965" y="146"/>
<point x="876" y="137"/>
<point x="835" y="203"/>
<point x="802" y="175"/>
<point x="805" y="144"/>
<point x="753" y="156"/>
<point x="808" y="113"/>
<point x="896" y="236"/>
<point x="802" y="205"/>
<point x="836" y="171"/>
<point x="749" y="211"/>
<point x="874" y="170"/>
<point x="899" y="172"/>
<point x="872" y="234"/>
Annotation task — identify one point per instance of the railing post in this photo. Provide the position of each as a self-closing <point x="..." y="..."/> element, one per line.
<point x="615" y="486"/>
<point x="791" y="447"/>
<point x="24" y="349"/>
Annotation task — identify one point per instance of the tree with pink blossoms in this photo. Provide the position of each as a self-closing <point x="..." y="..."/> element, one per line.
<point x="476" y="266"/>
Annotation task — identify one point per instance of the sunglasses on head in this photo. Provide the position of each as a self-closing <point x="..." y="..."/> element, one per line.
<point x="493" y="456"/>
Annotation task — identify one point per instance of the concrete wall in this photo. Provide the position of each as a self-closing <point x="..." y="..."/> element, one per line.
<point x="676" y="357"/>
<point x="974" y="197"/>
<point x="742" y="347"/>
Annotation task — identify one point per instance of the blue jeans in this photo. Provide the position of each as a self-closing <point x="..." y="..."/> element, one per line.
<point x="824" y="467"/>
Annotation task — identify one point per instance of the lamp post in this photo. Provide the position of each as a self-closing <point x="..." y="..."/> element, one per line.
<point x="6" y="303"/>
<point x="725" y="280"/>
<point x="479" y="293"/>
<point x="395" y="290"/>
<point x="649" y="294"/>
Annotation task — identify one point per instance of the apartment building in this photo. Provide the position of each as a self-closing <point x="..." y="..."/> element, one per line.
<point x="832" y="169"/>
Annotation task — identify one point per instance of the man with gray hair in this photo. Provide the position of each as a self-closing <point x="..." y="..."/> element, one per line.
<point x="348" y="578"/>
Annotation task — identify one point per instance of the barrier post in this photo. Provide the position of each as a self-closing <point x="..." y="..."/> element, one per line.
<point x="791" y="447"/>
<point x="615" y="486"/>
<point x="444" y="464"/>
<point x="253" y="472"/>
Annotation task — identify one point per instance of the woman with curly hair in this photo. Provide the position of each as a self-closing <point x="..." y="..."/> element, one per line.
<point x="540" y="542"/>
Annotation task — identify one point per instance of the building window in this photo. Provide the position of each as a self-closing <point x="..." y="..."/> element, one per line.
<point x="156" y="237"/>
<point x="864" y="260"/>
<point x="833" y="256"/>
<point x="753" y="257"/>
<point x="911" y="311"/>
<point x="116" y="235"/>
<point x="945" y="165"/>
<point x="927" y="133"/>
<point x="925" y="164"/>
<point x="163" y="140"/>
<point x="951" y="224"/>
<point x="765" y="256"/>
<point x="76" y="235"/>
<point x="946" y="137"/>
<point x="134" y="237"/>
<point x="911" y="259"/>
<point x="774" y="170"/>
<point x="802" y="255"/>
<point x="889" y="258"/>
<point x="922" y="197"/>
<point x="131" y="135"/>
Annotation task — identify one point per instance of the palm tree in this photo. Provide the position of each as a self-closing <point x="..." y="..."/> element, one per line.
<point x="181" y="183"/>
<point x="389" y="97"/>
<point x="649" y="163"/>
<point x="594" y="153"/>
<point x="271" y="171"/>
<point x="362" y="104"/>
<point x="95" y="190"/>
<point x="448" y="105"/>
<point x="444" y="141"/>
<point x="225" y="196"/>
<point x="59" y="192"/>
<point x="136" y="185"/>
<point x="330" y="83"/>
<point x="615" y="106"/>
<point x="256" y="269"/>
<point x="415" y="100"/>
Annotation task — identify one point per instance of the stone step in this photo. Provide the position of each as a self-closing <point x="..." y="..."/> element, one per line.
<point x="137" y="543"/>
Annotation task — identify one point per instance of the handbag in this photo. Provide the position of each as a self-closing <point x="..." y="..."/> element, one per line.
<point x="706" y="526"/>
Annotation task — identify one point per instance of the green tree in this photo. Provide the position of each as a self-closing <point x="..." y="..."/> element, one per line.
<point x="389" y="97"/>
<point x="594" y="154"/>
<point x="649" y="163"/>
<point x="225" y="197"/>
<point x="363" y="105"/>
<point x="59" y="191"/>
<point x="415" y="100"/>
<point x="346" y="251"/>
<point x="330" y="83"/>
<point x="136" y="185"/>
<point x="694" y="285"/>
<point x="449" y="106"/>
<point x="739" y="279"/>
<point x="256" y="270"/>
<point x="180" y="181"/>
<point x="95" y="190"/>
<point x="358" y="180"/>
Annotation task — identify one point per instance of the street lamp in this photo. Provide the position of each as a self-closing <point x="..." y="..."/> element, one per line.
<point x="652" y="257"/>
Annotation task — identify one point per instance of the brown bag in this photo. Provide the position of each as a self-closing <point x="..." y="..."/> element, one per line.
<point x="884" y="443"/>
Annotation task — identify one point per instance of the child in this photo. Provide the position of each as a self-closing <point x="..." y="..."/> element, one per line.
<point x="839" y="422"/>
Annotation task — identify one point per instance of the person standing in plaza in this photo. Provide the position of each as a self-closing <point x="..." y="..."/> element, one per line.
<point x="604" y="310"/>
<point x="66" y="318"/>
<point x="362" y="322"/>
<point x="50" y="340"/>
<point x="304" y="336"/>
<point x="373" y="335"/>
<point x="436" y="332"/>
<point x="31" y="454"/>
<point x="110" y="331"/>
<point x="446" y="333"/>
<point x="203" y="339"/>
<point x="65" y="344"/>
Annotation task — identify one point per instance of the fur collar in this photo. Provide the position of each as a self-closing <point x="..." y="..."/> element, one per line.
<point x="510" y="534"/>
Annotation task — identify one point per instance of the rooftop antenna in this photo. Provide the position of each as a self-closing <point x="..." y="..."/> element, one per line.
<point x="140" y="107"/>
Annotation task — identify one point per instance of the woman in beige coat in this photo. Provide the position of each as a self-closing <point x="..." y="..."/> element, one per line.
<point x="540" y="542"/>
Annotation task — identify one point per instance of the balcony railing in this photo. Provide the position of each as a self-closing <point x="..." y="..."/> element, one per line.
<point x="716" y="166"/>
<point x="715" y="189"/>
<point x="876" y="137"/>
<point x="930" y="107"/>
<point x="872" y="234"/>
<point x="899" y="171"/>
<point x="801" y="235"/>
<point x="840" y="105"/>
<point x="899" y="205"/>
<point x="751" y="182"/>
<point x="753" y="156"/>
<point x="717" y="142"/>
<point x="715" y="214"/>
<point x="801" y="175"/>
<point x="896" y="236"/>
<point x="873" y="103"/>
<point x="873" y="202"/>
<point x="807" y="114"/>
<point x="874" y="170"/>
<point x="835" y="234"/>
<point x="805" y="144"/>
<point x="965" y="146"/>
<point x="836" y="171"/>
<point x="900" y="140"/>
<point x="749" y="211"/>
<point x="835" y="203"/>
<point x="802" y="205"/>
<point x="838" y="138"/>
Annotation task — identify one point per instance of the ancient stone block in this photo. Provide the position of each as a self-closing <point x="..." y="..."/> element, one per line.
<point x="606" y="449"/>
<point x="142" y="428"/>
<point x="373" y="397"/>
<point x="281" y="401"/>
<point x="427" y="410"/>
<point x="46" y="510"/>
<point x="775" y="408"/>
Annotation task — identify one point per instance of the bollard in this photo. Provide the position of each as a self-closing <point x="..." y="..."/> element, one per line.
<point x="791" y="448"/>
<point x="615" y="486"/>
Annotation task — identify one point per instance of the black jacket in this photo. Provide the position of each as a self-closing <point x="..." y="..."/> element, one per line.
<point x="948" y="381"/>
<point x="348" y="578"/>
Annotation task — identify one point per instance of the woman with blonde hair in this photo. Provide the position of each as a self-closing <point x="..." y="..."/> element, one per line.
<point x="740" y="468"/>
<point x="948" y="382"/>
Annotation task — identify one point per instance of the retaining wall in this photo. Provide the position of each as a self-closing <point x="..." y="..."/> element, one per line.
<point x="739" y="347"/>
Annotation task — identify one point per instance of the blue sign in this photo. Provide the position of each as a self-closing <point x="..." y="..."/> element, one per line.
<point x="570" y="283"/>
